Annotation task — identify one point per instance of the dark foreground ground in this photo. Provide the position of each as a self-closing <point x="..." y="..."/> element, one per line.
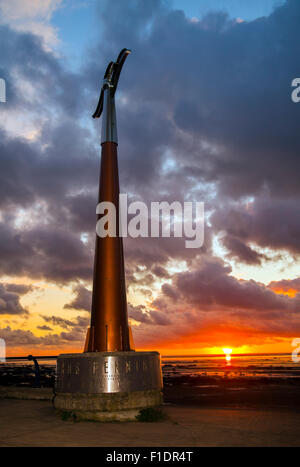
<point x="197" y="390"/>
<point x="238" y="392"/>
<point x="35" y="423"/>
<point x="201" y="410"/>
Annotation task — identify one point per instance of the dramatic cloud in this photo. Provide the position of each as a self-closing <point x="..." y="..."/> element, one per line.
<point x="57" y="321"/>
<point x="20" y="289"/>
<point x="20" y="338"/>
<point x="211" y="287"/>
<point x="205" y="114"/>
<point x="82" y="301"/>
<point x="206" y="136"/>
<point x="10" y="299"/>
<point x="207" y="305"/>
<point x="54" y="254"/>
<point x="174" y="78"/>
<point x="141" y="315"/>
<point x="266" y="222"/>
<point x="74" y="336"/>
<point x="288" y="287"/>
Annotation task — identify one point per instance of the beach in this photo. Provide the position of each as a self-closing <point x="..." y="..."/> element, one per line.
<point x="200" y="411"/>
<point x="35" y="423"/>
<point x="251" y="402"/>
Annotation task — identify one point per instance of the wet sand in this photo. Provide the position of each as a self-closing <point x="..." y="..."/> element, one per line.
<point x="196" y="390"/>
<point x="35" y="423"/>
<point x="238" y="392"/>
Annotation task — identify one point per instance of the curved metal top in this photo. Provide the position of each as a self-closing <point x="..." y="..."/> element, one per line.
<point x="111" y="79"/>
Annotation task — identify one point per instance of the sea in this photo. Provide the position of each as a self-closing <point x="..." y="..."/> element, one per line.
<point x="267" y="365"/>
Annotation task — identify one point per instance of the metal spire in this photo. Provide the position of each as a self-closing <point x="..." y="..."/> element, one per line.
<point x="106" y="103"/>
<point x="109" y="330"/>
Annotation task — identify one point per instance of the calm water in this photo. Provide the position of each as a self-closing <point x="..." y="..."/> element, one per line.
<point x="245" y="365"/>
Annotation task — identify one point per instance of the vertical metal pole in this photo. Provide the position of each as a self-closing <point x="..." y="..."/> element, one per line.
<point x="109" y="321"/>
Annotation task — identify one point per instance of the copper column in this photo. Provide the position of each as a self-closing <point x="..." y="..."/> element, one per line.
<point x="109" y="330"/>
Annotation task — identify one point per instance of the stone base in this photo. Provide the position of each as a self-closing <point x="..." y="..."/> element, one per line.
<point x="108" y="386"/>
<point x="121" y="406"/>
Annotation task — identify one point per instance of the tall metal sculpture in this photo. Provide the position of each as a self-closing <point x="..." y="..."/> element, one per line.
<point x="109" y="380"/>
<point x="109" y="330"/>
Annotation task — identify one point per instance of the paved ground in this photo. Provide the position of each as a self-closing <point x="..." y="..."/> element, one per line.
<point x="35" y="423"/>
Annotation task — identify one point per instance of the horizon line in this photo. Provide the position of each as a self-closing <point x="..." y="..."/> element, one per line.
<point x="25" y="357"/>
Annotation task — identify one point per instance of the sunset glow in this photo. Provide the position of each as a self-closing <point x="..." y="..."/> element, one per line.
<point x="228" y="353"/>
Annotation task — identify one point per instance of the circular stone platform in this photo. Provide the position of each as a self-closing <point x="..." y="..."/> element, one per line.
<point x="108" y="385"/>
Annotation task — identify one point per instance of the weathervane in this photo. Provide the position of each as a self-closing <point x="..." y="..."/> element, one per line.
<point x="106" y="102"/>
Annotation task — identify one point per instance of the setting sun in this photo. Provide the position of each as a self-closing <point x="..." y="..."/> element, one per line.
<point x="227" y="352"/>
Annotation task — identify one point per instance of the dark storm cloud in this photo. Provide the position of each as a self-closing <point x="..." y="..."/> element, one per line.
<point x="23" y="57"/>
<point x="160" y="272"/>
<point x="217" y="95"/>
<point x="152" y="317"/>
<point x="10" y="299"/>
<point x="154" y="253"/>
<point x="20" y="289"/>
<point x="266" y="222"/>
<point x="241" y="251"/>
<point x="29" y="173"/>
<point x="208" y="303"/>
<point x="52" y="253"/>
<point x="224" y="82"/>
<point x="82" y="300"/>
<point x="211" y="287"/>
<point x="51" y="177"/>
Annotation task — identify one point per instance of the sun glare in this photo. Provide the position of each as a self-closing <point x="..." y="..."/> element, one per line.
<point x="227" y="352"/>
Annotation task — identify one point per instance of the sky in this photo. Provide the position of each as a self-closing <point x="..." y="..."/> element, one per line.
<point x="204" y="114"/>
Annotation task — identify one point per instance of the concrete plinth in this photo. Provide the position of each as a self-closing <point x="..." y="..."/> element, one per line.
<point x="108" y="386"/>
